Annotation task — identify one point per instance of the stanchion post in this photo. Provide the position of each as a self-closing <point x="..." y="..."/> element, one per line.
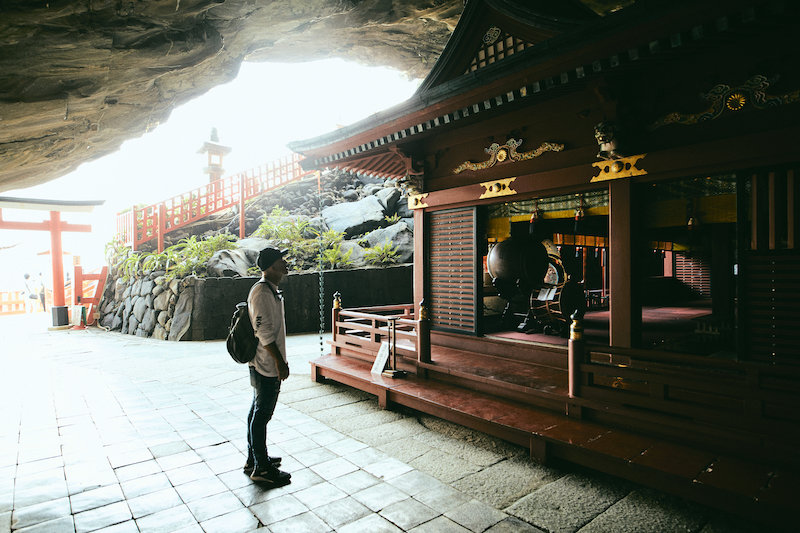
<point x="423" y="334"/>
<point x="337" y="307"/>
<point x="575" y="356"/>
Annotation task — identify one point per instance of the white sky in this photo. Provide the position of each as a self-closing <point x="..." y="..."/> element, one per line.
<point x="267" y="106"/>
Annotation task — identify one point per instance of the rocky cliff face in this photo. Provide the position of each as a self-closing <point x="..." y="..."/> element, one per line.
<point x="77" y="78"/>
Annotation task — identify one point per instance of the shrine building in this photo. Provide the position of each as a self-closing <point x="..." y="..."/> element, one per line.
<point x="607" y="222"/>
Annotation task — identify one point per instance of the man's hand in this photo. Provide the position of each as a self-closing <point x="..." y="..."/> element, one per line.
<point x="283" y="370"/>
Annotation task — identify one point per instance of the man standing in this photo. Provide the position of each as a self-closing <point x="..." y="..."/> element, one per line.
<point x="30" y="294"/>
<point x="268" y="368"/>
<point x="40" y="290"/>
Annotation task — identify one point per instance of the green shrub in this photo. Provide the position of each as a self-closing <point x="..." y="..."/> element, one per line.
<point x="304" y="253"/>
<point x="189" y="256"/>
<point x="334" y="257"/>
<point x="381" y="255"/>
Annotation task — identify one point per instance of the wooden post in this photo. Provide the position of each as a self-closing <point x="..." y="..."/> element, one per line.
<point x="337" y="307"/>
<point x="77" y="289"/>
<point x="242" y="182"/>
<point x="575" y="357"/>
<point x="625" y="315"/>
<point x="56" y="256"/>
<point x="423" y="346"/>
<point x="392" y="330"/>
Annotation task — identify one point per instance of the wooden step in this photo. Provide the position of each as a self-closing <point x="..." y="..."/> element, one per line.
<point x="749" y="489"/>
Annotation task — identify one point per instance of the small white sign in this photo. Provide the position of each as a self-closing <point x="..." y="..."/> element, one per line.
<point x="381" y="359"/>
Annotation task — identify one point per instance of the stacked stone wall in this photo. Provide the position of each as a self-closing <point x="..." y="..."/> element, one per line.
<point x="201" y="308"/>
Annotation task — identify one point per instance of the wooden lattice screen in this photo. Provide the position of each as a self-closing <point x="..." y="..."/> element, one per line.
<point x="452" y="270"/>
<point x="496" y="45"/>
<point x="772" y="266"/>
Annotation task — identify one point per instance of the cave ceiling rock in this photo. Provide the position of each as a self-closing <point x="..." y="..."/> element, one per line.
<point x="77" y="78"/>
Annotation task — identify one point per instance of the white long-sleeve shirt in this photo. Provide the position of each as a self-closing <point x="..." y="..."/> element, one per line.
<point x="265" y="305"/>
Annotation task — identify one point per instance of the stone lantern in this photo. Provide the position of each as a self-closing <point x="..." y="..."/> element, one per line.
<point x="216" y="152"/>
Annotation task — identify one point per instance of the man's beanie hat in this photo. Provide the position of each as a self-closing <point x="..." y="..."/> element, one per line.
<point x="269" y="255"/>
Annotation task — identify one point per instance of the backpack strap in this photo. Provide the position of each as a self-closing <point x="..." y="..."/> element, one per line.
<point x="276" y="294"/>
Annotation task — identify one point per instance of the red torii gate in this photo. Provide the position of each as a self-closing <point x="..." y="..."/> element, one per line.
<point x="55" y="226"/>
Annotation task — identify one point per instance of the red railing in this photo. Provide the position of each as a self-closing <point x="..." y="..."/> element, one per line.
<point x="139" y="225"/>
<point x="13" y="302"/>
<point x="91" y="283"/>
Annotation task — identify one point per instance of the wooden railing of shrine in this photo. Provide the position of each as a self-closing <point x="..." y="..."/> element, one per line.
<point x="142" y="224"/>
<point x="746" y="406"/>
<point x="360" y="332"/>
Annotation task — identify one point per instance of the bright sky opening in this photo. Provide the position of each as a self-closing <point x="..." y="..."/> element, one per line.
<point x="267" y="106"/>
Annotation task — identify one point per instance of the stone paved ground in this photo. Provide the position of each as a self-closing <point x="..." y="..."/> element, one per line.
<point x="102" y="431"/>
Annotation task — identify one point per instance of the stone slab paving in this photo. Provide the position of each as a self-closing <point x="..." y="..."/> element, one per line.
<point x="107" y="432"/>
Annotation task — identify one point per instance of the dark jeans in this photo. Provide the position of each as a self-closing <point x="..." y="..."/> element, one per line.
<point x="265" y="396"/>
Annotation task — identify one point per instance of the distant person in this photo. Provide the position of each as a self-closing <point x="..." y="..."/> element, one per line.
<point x="40" y="290"/>
<point x="269" y="366"/>
<point x="31" y="293"/>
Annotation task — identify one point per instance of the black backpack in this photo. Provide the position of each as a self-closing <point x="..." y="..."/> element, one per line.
<point x="242" y="341"/>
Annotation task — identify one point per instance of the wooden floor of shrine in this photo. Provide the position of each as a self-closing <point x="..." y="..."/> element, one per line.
<point x="461" y="385"/>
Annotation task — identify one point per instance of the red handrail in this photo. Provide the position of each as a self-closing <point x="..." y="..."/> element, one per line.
<point x="141" y="224"/>
<point x="13" y="302"/>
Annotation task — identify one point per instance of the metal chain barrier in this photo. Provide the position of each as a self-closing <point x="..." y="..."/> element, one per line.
<point x="319" y="269"/>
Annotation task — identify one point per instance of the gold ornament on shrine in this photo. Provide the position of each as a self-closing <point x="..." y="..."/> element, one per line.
<point x="417" y="201"/>
<point x="722" y="97"/>
<point x="735" y="102"/>
<point x="497" y="188"/>
<point x="624" y="167"/>
<point x="502" y="153"/>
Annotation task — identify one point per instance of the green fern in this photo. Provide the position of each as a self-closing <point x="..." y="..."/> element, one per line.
<point x="381" y="255"/>
<point x="334" y="257"/>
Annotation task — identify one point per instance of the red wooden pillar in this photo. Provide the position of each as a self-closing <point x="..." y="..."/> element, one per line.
<point x="56" y="258"/>
<point x="625" y="313"/>
<point x="419" y="259"/>
<point x="77" y="282"/>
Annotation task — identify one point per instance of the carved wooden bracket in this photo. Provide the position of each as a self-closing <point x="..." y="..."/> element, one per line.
<point x="496" y="188"/>
<point x="416" y="201"/>
<point x="500" y="153"/>
<point x="413" y="179"/>
<point x="625" y="167"/>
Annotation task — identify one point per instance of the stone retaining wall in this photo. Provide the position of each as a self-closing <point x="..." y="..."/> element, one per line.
<point x="216" y="298"/>
<point x="201" y="308"/>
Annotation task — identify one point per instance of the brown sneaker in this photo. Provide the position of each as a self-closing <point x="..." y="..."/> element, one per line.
<point x="272" y="477"/>
<point x="248" y="466"/>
